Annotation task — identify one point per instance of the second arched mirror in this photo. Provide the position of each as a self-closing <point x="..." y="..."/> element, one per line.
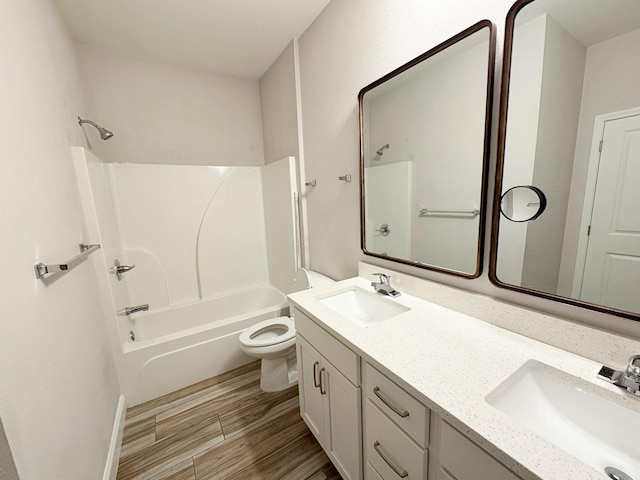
<point x="570" y="125"/>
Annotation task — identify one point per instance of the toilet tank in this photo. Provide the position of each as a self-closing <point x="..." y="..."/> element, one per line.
<point x="304" y="279"/>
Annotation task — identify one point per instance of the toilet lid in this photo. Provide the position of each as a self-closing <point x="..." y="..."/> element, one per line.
<point x="269" y="332"/>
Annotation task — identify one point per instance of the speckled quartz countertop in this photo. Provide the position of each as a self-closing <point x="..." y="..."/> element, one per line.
<point x="451" y="361"/>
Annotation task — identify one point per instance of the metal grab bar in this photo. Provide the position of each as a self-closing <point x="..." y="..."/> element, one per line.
<point x="41" y="269"/>
<point x="425" y="212"/>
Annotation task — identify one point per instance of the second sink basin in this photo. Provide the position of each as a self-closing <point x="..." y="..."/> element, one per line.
<point x="573" y="414"/>
<point x="361" y="307"/>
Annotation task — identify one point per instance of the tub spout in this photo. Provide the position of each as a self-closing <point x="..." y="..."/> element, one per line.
<point x="137" y="308"/>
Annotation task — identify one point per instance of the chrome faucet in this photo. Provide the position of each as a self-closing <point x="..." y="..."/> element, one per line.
<point x="137" y="308"/>
<point x="384" y="286"/>
<point x="629" y="379"/>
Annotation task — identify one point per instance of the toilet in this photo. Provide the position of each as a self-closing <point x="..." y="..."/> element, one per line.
<point x="274" y="340"/>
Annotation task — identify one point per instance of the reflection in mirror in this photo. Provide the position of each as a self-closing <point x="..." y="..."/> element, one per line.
<point x="571" y="126"/>
<point x="523" y="203"/>
<point x="423" y="145"/>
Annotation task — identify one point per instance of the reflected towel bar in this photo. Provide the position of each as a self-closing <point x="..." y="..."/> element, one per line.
<point x="41" y="269"/>
<point x="425" y="212"/>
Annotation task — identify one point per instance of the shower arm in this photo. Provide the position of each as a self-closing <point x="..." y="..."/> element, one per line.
<point x="81" y="121"/>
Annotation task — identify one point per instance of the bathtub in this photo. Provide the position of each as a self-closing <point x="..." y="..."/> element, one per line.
<point x="172" y="348"/>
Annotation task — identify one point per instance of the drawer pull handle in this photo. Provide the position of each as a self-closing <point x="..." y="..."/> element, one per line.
<point x="322" y="389"/>
<point x="315" y="374"/>
<point x="401" y="473"/>
<point x="395" y="409"/>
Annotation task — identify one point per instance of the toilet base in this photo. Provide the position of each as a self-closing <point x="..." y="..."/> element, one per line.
<point x="278" y="374"/>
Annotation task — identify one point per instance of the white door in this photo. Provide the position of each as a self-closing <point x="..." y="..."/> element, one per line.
<point x="612" y="266"/>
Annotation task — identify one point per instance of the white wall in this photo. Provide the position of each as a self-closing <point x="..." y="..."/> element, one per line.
<point x="279" y="108"/>
<point x="59" y="387"/>
<point x="611" y="79"/>
<point x="161" y="113"/>
<point x="351" y="44"/>
<point x="562" y="76"/>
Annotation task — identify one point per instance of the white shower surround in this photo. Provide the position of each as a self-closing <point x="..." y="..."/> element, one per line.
<point x="197" y="237"/>
<point x="198" y="229"/>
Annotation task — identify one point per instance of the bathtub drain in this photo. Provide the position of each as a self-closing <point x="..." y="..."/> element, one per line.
<point x="616" y="474"/>
<point x="132" y="335"/>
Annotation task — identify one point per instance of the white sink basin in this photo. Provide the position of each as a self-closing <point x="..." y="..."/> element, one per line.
<point x="361" y="307"/>
<point x="573" y="414"/>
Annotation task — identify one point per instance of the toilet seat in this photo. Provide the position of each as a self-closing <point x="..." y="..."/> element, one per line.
<point x="269" y="332"/>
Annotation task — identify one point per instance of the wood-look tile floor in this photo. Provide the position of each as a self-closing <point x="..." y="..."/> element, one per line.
<point x="224" y="428"/>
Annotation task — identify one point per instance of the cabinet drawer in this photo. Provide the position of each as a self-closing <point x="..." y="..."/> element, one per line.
<point x="389" y="450"/>
<point x="466" y="461"/>
<point x="346" y="361"/>
<point x="371" y="473"/>
<point x="402" y="408"/>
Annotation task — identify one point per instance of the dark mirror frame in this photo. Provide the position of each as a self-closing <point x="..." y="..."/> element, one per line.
<point x="485" y="157"/>
<point x="495" y="224"/>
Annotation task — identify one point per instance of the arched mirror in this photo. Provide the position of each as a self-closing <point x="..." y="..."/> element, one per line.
<point x="424" y="131"/>
<point x="570" y="125"/>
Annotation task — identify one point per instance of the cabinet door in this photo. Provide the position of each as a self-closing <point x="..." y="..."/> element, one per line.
<point x="345" y="422"/>
<point x="311" y="400"/>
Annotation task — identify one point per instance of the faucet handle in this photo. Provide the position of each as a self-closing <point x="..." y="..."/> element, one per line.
<point x="384" y="278"/>
<point x="633" y="369"/>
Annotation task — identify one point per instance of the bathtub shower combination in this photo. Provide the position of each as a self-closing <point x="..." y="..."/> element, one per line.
<point x="213" y="249"/>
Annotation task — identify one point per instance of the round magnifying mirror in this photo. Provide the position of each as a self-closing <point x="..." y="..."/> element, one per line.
<point x="523" y="203"/>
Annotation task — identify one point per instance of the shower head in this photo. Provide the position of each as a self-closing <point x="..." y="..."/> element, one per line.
<point x="104" y="133"/>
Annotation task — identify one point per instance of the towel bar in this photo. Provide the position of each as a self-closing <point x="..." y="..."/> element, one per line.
<point x="41" y="269"/>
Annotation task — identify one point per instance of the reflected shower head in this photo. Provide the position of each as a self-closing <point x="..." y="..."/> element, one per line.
<point x="104" y="133"/>
<point x="380" y="151"/>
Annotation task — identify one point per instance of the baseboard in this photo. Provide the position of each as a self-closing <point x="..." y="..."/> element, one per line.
<point x="111" y="467"/>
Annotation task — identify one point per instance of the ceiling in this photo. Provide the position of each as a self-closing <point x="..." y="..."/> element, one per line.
<point x="588" y="21"/>
<point x="235" y="37"/>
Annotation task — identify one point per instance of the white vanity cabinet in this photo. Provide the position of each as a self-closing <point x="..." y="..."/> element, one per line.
<point x="370" y="426"/>
<point x="330" y="395"/>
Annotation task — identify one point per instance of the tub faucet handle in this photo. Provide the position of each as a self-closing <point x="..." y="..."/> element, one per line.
<point x="119" y="269"/>
<point x="138" y="308"/>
